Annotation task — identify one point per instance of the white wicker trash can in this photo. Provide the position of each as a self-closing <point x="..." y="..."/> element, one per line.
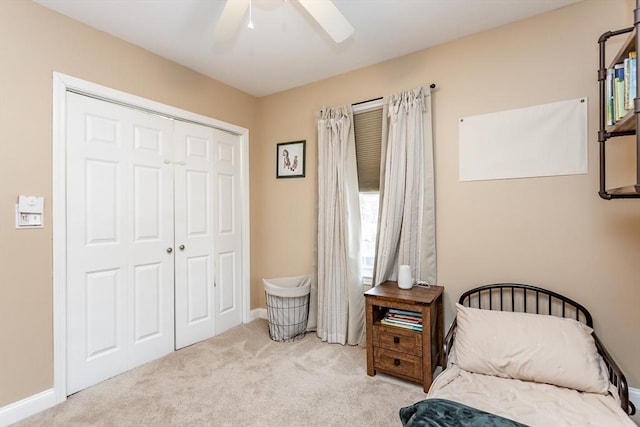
<point x="287" y="306"/>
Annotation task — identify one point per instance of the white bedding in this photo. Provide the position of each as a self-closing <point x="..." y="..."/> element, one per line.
<point x="533" y="404"/>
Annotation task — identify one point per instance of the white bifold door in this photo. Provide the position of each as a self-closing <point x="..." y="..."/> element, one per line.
<point x="153" y="237"/>
<point x="207" y="208"/>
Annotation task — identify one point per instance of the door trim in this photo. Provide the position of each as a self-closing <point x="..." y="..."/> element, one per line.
<point x="61" y="85"/>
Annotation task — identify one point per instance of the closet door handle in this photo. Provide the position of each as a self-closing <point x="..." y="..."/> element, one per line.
<point x="181" y="247"/>
<point x="169" y="250"/>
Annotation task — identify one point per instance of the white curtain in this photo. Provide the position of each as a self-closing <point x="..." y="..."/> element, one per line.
<point x="340" y="300"/>
<point x="406" y="228"/>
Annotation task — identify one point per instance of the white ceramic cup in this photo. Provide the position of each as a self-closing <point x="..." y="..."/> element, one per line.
<point x="405" y="281"/>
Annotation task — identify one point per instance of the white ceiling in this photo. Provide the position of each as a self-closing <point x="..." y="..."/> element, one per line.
<point x="287" y="48"/>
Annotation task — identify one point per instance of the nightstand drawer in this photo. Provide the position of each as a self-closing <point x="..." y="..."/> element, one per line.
<point x="397" y="339"/>
<point x="397" y="363"/>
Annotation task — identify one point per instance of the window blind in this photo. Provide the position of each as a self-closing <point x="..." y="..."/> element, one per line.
<point x="368" y="135"/>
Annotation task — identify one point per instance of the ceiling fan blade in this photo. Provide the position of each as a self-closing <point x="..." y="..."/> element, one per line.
<point x="329" y="18"/>
<point x="230" y="19"/>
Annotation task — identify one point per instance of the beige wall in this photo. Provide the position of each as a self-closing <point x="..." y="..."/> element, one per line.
<point x="34" y="42"/>
<point x="552" y="232"/>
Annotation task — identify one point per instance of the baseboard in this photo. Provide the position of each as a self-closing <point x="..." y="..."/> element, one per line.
<point x="26" y="407"/>
<point x="258" y="313"/>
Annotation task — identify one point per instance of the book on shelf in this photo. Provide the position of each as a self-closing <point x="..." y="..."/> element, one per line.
<point x="621" y="89"/>
<point x="609" y="96"/>
<point x="618" y="94"/>
<point x="391" y="322"/>
<point x="403" y="319"/>
<point x="627" y="74"/>
<point x="630" y="80"/>
<point x="405" y="312"/>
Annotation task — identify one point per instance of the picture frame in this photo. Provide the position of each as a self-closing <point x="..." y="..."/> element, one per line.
<point x="290" y="159"/>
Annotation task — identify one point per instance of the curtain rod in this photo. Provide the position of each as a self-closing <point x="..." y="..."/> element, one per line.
<point x="431" y="86"/>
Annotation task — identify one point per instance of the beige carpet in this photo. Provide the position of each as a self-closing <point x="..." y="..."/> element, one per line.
<point x="242" y="378"/>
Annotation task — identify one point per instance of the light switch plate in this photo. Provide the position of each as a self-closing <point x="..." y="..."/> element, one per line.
<point x="28" y="220"/>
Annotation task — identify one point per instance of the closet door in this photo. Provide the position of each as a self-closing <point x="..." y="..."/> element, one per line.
<point x="228" y="236"/>
<point x="194" y="232"/>
<point x="208" y="215"/>
<point x="119" y="232"/>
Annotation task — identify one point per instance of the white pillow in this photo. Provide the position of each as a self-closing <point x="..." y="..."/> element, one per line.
<point x="529" y="347"/>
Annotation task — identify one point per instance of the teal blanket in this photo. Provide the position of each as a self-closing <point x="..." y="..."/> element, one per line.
<point x="447" y="413"/>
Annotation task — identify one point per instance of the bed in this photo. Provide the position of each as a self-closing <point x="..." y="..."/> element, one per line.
<point x="522" y="355"/>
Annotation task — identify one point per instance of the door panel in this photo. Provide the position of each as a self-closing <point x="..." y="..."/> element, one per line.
<point x="102" y="201"/>
<point x="228" y="236"/>
<point x="150" y="232"/>
<point x="198" y="275"/>
<point x="194" y="232"/>
<point x="197" y="201"/>
<point x="103" y="314"/>
<point x="226" y="271"/>
<point x="119" y="224"/>
<point x="147" y="198"/>
<point x="147" y="301"/>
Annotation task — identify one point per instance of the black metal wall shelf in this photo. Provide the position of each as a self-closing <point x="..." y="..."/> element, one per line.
<point x="627" y="125"/>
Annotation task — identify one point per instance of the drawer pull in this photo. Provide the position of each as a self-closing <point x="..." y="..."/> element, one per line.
<point x="396" y="362"/>
<point x="396" y="340"/>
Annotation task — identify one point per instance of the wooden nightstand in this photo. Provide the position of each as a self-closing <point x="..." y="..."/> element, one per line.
<point x="404" y="353"/>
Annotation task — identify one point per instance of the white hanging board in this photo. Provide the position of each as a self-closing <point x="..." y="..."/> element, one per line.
<point x="543" y="140"/>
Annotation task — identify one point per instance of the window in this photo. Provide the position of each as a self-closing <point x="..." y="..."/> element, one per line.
<point x="368" y="234"/>
<point x="367" y="126"/>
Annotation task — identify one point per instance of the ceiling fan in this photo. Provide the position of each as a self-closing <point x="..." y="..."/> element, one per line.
<point x="323" y="11"/>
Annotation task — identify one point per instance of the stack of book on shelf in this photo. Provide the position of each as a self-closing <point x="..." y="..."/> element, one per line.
<point x="621" y="88"/>
<point x="403" y="319"/>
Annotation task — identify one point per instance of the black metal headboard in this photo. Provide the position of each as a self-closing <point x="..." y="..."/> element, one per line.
<point x="525" y="298"/>
<point x="518" y="297"/>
